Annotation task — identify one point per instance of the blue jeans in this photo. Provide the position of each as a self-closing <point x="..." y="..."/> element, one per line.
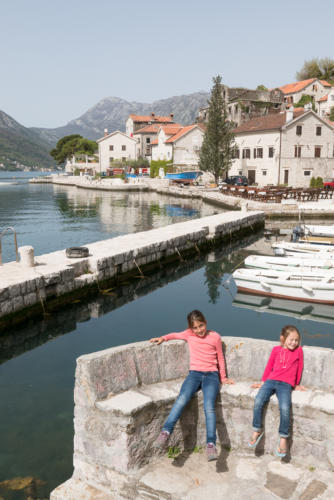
<point x="209" y="383"/>
<point x="283" y="393"/>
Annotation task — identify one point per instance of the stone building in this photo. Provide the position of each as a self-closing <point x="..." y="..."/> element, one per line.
<point x="136" y="122"/>
<point x="313" y="87"/>
<point x="144" y="137"/>
<point x="116" y="146"/>
<point x="285" y="148"/>
<point x="244" y="104"/>
<point x="325" y="104"/>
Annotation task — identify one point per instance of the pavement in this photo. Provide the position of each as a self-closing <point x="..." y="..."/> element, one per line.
<point x="234" y="476"/>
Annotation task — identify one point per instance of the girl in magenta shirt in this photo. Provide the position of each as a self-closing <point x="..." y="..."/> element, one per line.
<point x="207" y="370"/>
<point x="282" y="374"/>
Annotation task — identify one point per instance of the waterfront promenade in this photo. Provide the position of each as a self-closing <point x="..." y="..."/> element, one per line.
<point x="56" y="278"/>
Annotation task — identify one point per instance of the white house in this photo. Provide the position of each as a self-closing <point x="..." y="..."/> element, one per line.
<point x="144" y="137"/>
<point x="325" y="103"/>
<point x="313" y="87"/>
<point x="286" y="148"/>
<point x="116" y="146"/>
<point x="136" y="122"/>
<point x="182" y="144"/>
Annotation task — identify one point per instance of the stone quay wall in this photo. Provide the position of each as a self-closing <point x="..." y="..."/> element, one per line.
<point x="123" y="395"/>
<point x="54" y="275"/>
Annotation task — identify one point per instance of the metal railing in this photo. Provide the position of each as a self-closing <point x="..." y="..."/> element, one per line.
<point x="15" y="243"/>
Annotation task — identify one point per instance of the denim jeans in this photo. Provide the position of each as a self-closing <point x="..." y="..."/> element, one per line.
<point x="209" y="383"/>
<point x="283" y="393"/>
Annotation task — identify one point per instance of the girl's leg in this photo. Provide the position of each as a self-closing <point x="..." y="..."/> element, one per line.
<point x="210" y="388"/>
<point x="283" y="392"/>
<point x="188" y="389"/>
<point x="262" y="397"/>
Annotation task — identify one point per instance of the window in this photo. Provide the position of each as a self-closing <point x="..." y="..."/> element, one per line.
<point x="298" y="151"/>
<point x="307" y="173"/>
<point x="123" y="148"/>
<point x="259" y="152"/>
<point x="111" y="158"/>
<point x="271" y="152"/>
<point x="123" y="158"/>
<point x="317" y="151"/>
<point x="240" y="172"/>
<point x="148" y="140"/>
<point x="318" y="131"/>
<point x="264" y="172"/>
<point x="254" y="153"/>
<point x="299" y="130"/>
<point x="235" y="153"/>
<point x="246" y="153"/>
<point x="111" y="148"/>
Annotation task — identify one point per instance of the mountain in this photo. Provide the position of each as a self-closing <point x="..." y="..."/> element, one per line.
<point x="112" y="112"/>
<point x="19" y="144"/>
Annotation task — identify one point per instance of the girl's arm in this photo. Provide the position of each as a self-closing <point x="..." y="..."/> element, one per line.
<point x="300" y="371"/>
<point x="270" y="365"/>
<point x="221" y="363"/>
<point x="171" y="336"/>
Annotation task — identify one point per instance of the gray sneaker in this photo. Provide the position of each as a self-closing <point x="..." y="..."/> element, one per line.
<point x="211" y="452"/>
<point x="162" y="440"/>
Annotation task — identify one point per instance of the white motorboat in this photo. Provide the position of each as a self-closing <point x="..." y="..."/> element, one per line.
<point x="309" y="249"/>
<point x="272" y="305"/>
<point x="314" y="230"/>
<point x="313" y="286"/>
<point x="288" y="263"/>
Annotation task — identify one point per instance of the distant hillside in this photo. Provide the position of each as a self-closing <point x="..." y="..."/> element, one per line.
<point x="22" y="145"/>
<point x="112" y="113"/>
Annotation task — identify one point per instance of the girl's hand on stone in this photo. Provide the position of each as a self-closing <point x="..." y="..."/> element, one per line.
<point x="257" y="385"/>
<point x="228" y="381"/>
<point x="300" y="388"/>
<point x="157" y="340"/>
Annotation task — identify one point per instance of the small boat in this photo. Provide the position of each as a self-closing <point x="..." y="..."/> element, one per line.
<point x="295" y="309"/>
<point x="186" y="176"/>
<point x="289" y="248"/>
<point x="313" y="230"/>
<point x="288" y="263"/>
<point x="312" y="286"/>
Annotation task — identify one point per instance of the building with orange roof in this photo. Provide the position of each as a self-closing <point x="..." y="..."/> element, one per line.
<point x="325" y="104"/>
<point x="313" y="87"/>
<point x="136" y="122"/>
<point x="179" y="144"/>
<point x="115" y="147"/>
<point x="287" y="148"/>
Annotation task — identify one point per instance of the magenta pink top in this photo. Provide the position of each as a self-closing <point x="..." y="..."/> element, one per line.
<point x="284" y="365"/>
<point x="206" y="353"/>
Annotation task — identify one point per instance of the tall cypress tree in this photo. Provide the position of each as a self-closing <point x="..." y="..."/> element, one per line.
<point x="218" y="142"/>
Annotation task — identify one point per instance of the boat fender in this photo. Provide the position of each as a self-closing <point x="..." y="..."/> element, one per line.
<point x="265" y="285"/>
<point x="307" y="288"/>
<point x="279" y="252"/>
<point x="77" y="252"/>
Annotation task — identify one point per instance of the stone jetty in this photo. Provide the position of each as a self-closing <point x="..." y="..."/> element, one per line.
<point x="55" y="277"/>
<point x="123" y="395"/>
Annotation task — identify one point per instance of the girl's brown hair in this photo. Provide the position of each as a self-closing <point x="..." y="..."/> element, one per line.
<point x="195" y="316"/>
<point x="286" y="330"/>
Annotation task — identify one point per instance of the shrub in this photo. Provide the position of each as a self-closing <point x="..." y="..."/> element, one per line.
<point x="157" y="164"/>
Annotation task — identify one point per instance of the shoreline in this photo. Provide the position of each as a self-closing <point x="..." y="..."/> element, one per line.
<point x="324" y="209"/>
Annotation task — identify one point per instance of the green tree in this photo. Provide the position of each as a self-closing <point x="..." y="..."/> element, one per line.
<point x="317" y="68"/>
<point x="331" y="114"/>
<point x="218" y="142"/>
<point x="261" y="87"/>
<point x="72" y="144"/>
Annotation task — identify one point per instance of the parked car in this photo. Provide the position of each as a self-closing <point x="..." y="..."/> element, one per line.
<point x="237" y="180"/>
<point x="329" y="183"/>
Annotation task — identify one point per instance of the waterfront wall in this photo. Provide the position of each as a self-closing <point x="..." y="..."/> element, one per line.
<point x="123" y="395"/>
<point x="55" y="276"/>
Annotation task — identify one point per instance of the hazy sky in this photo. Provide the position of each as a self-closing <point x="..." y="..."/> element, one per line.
<point x="60" y="57"/>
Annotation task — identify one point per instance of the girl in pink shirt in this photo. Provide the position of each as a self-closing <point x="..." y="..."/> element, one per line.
<point x="207" y="370"/>
<point x="282" y="374"/>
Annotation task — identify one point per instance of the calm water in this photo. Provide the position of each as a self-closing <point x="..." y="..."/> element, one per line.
<point x="38" y="360"/>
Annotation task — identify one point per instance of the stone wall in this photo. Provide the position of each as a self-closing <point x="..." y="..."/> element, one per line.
<point x="123" y="395"/>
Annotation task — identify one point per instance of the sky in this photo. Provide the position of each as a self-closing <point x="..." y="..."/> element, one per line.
<point x="59" y="58"/>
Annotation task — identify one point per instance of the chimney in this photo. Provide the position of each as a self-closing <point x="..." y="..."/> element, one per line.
<point x="153" y="115"/>
<point x="172" y="116"/>
<point x="289" y="114"/>
<point x="105" y="132"/>
<point x="307" y="107"/>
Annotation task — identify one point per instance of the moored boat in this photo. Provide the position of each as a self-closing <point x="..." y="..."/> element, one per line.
<point x="185" y="176"/>
<point x="312" y="286"/>
<point x="288" y="263"/>
<point x="291" y="248"/>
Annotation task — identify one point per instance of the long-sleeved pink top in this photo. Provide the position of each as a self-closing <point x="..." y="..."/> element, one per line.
<point x="284" y="365"/>
<point x="206" y="353"/>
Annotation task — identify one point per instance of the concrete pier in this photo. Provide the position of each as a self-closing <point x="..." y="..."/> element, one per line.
<point x="123" y="395"/>
<point x="56" y="277"/>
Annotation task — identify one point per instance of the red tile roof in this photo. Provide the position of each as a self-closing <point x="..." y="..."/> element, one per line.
<point x="150" y="118"/>
<point x="180" y="133"/>
<point x="324" y="98"/>
<point x="325" y="84"/>
<point x="154" y="142"/>
<point x="269" y="122"/>
<point x="291" y="88"/>
<point x="149" y="129"/>
<point x="171" y="129"/>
